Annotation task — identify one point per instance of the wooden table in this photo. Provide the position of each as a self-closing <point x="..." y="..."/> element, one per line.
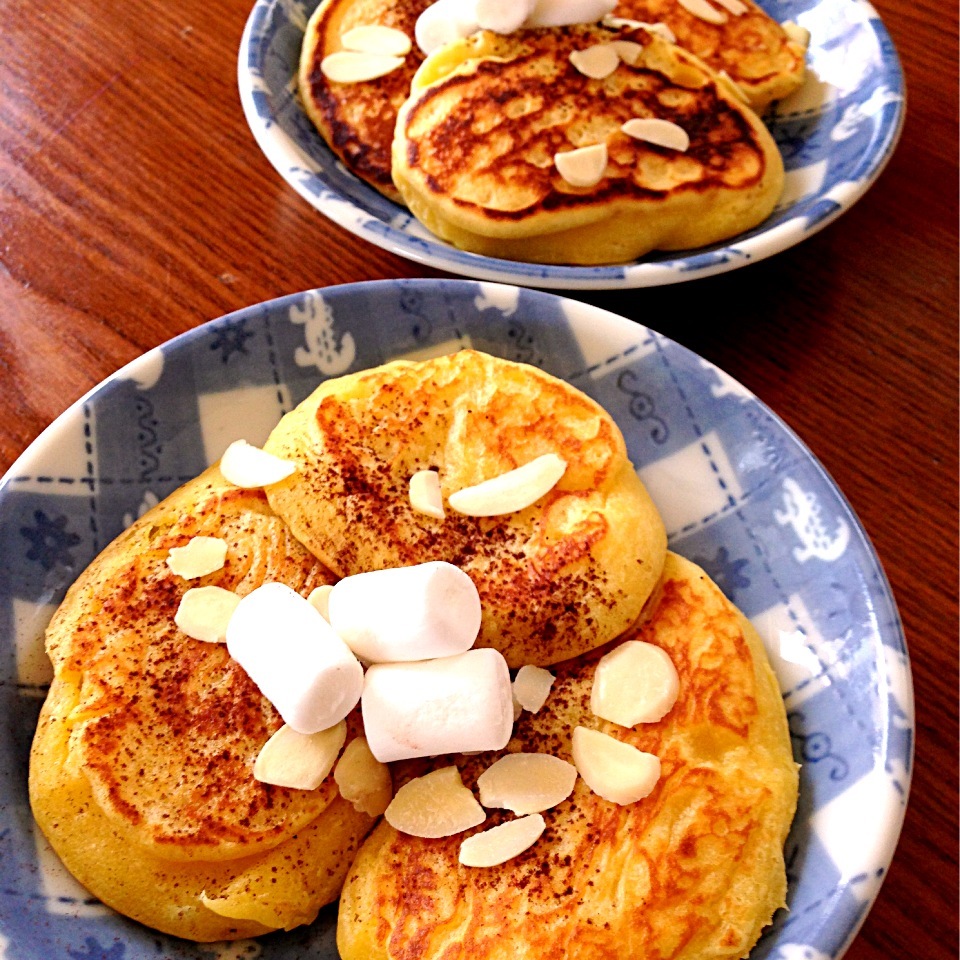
<point x="134" y="205"/>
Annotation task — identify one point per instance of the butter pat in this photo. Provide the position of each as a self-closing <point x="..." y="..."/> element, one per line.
<point x="430" y="707"/>
<point x="406" y="613"/>
<point x="434" y="805"/>
<point x="501" y="843"/>
<point x="634" y="683"/>
<point x="296" y="659"/>
<point x="614" y="770"/>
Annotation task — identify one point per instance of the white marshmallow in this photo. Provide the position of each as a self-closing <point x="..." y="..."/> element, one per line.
<point x="559" y="13"/>
<point x="502" y="16"/>
<point x="406" y="613"/>
<point x="432" y="707"/>
<point x="296" y="659"/>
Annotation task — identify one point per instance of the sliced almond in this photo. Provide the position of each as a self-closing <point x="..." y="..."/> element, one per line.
<point x="736" y="7"/>
<point x="319" y="599"/>
<point x="657" y="29"/>
<point x="532" y="687"/>
<point x="663" y="133"/>
<point x="204" y="612"/>
<point x="703" y="10"/>
<point x="614" y="770"/>
<point x="247" y="466"/>
<point x="526" y="782"/>
<point x="425" y="494"/>
<point x="628" y="51"/>
<point x="376" y="38"/>
<point x="515" y="489"/>
<point x="634" y="683"/>
<point x="796" y="33"/>
<point x="348" y="66"/>
<point x="300" y="761"/>
<point x="596" y="62"/>
<point x="363" y="780"/>
<point x="200" y="556"/>
<point x="434" y="805"/>
<point x="501" y="843"/>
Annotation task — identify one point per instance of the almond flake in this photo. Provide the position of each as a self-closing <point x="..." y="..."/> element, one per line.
<point x="663" y="133"/>
<point x="515" y="489"/>
<point x="614" y="770"/>
<point x="628" y="51"/>
<point x="660" y="30"/>
<point x="796" y="33"/>
<point x="376" y="38"/>
<point x="635" y="683"/>
<point x="596" y="62"/>
<point x="434" y="805"/>
<point x="347" y="66"/>
<point x="532" y="687"/>
<point x="247" y="466"/>
<point x="425" y="494"/>
<point x="526" y="782"/>
<point x="202" y="555"/>
<point x="736" y="7"/>
<point x="583" y="167"/>
<point x="320" y="599"/>
<point x="501" y="843"/>
<point x="703" y="10"/>
<point x="204" y="612"/>
<point x="363" y="780"/>
<point x="300" y="761"/>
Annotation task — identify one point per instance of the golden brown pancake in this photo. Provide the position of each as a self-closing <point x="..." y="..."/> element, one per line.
<point x="141" y="769"/>
<point x="694" y="870"/>
<point x="752" y="48"/>
<point x="357" y="119"/>
<point x="558" y="578"/>
<point x="474" y="147"/>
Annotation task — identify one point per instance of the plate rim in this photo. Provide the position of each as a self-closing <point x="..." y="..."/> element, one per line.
<point x="182" y="344"/>
<point x="752" y="247"/>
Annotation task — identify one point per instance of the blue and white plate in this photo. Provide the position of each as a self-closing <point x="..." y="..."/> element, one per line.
<point x="740" y="494"/>
<point x="836" y="134"/>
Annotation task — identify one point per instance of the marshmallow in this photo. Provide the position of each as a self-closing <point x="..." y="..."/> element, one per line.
<point x="406" y="613"/>
<point x="296" y="659"/>
<point x="502" y="16"/>
<point x="431" y="707"/>
<point x="559" y="13"/>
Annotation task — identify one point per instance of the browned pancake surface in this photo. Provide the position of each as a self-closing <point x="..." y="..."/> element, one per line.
<point x="694" y="870"/>
<point x="357" y="119"/>
<point x="752" y="48"/>
<point x="486" y="138"/>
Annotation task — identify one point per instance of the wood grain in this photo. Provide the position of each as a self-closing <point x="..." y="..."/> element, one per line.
<point x="135" y="205"/>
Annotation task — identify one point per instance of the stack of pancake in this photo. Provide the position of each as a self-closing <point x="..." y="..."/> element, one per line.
<point x="466" y="137"/>
<point x="142" y="766"/>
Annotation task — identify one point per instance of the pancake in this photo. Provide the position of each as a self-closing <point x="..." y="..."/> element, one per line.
<point x="357" y="119"/>
<point x="141" y="768"/>
<point x="474" y="147"/>
<point x="755" y="51"/>
<point x="562" y="576"/>
<point x="693" y="871"/>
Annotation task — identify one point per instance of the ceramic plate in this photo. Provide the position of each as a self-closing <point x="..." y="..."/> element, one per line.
<point x="740" y="494"/>
<point x="835" y="134"/>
